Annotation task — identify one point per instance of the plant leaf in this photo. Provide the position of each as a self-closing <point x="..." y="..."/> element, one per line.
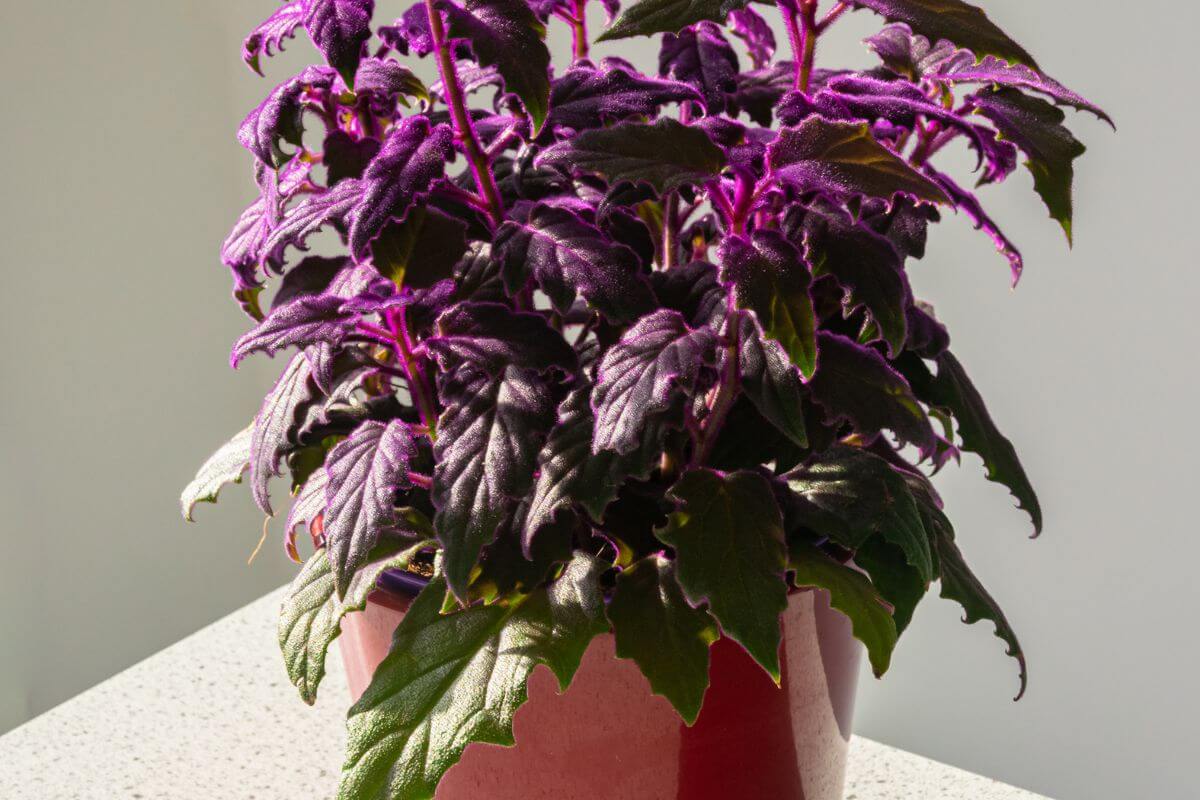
<point x="339" y="29"/>
<point x="267" y="38"/>
<point x="225" y="466"/>
<point x="306" y="320"/>
<point x="647" y="17"/>
<point x="755" y="32"/>
<point x="493" y="337"/>
<point x="969" y="204"/>
<point x="586" y="97"/>
<point x="663" y="634"/>
<point x="729" y="552"/>
<point x="897" y="581"/>
<point x="421" y="250"/>
<point x="489" y="436"/>
<point x="843" y="158"/>
<point x="311" y="615"/>
<point x="701" y="56"/>
<point x="458" y="678"/>
<point x="952" y="389"/>
<point x="853" y="595"/>
<point x="658" y="363"/>
<point x="412" y="157"/>
<point x="850" y="496"/>
<point x="962" y="23"/>
<point x="279" y="118"/>
<point x="308" y="216"/>
<point x="1035" y="126"/>
<point x="856" y="383"/>
<point x="666" y="154"/>
<point x="507" y="35"/>
<point x="274" y="424"/>
<point x="567" y="255"/>
<point x="770" y="278"/>
<point x="771" y="381"/>
<point x="364" y="471"/>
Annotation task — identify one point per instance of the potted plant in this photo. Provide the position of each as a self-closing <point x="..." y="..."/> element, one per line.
<point x="619" y="374"/>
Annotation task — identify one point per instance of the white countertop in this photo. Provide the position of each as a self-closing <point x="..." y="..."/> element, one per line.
<point x="214" y="718"/>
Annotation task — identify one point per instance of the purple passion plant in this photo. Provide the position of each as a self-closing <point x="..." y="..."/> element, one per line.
<point x="607" y="351"/>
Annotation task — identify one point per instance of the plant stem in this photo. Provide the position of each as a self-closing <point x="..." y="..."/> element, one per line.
<point x="463" y="126"/>
<point x="579" y="31"/>
<point x="418" y="384"/>
<point x="727" y="385"/>
<point x="670" y="232"/>
<point x="832" y="16"/>
<point x="794" y="37"/>
<point x="808" y="33"/>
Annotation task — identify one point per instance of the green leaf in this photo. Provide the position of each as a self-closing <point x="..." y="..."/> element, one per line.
<point x="770" y="278"/>
<point x="729" y="544"/>
<point x="506" y="34"/>
<point x="459" y="678"/>
<point x="843" y="158"/>
<point x="952" y="389"/>
<point x="1035" y="126"/>
<point x="647" y="17"/>
<point x="852" y="594"/>
<point x="225" y="466"/>
<point x="850" y="495"/>
<point x="312" y="613"/>
<point x="895" y="579"/>
<point x="666" y="154"/>
<point x="965" y="25"/>
<point x="663" y="634"/>
<point x="960" y="585"/>
<point x="437" y="240"/>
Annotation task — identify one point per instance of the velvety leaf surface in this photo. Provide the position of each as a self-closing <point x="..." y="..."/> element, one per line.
<point x="855" y="383"/>
<point x="488" y="441"/>
<point x="278" y="118"/>
<point x="755" y="32"/>
<point x="729" y="552"/>
<point x="386" y="78"/>
<point x="493" y="337"/>
<point x="771" y="381"/>
<point x="303" y="321"/>
<point x="306" y="508"/>
<point x="364" y="473"/>
<point x="274" y="423"/>
<point x="850" y="496"/>
<point x="1035" y="126"/>
<point x="506" y="34"/>
<point x="770" y="277"/>
<point x="658" y="363"/>
<point x="339" y="29"/>
<point x="312" y="276"/>
<point x="702" y="57"/>
<point x="311" y="615"/>
<point x="666" y="154"/>
<point x="663" y="634"/>
<point x="308" y="216"/>
<point x="458" y="678"/>
<point x="853" y="595"/>
<point x="421" y="250"/>
<point x="962" y="23"/>
<point x="587" y="97"/>
<point x="225" y="466"/>
<point x="413" y="156"/>
<point x="267" y="38"/>
<point x="646" y="17"/>
<point x="566" y="256"/>
<point x="843" y="158"/>
<point x="953" y="390"/>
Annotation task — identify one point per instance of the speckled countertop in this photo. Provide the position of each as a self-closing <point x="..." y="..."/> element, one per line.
<point x="212" y="718"/>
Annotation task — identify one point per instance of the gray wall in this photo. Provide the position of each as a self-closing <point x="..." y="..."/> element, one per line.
<point x="123" y="175"/>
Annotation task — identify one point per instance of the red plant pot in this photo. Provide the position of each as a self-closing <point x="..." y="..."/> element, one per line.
<point x="608" y="738"/>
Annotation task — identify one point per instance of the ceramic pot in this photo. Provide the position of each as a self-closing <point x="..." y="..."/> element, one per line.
<point x="608" y="738"/>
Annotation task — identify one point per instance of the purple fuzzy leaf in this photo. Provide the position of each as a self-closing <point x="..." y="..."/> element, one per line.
<point x="507" y="35"/>
<point x="566" y="255"/>
<point x="968" y="203"/>
<point x="488" y="440"/>
<point x="694" y="291"/>
<point x="758" y="92"/>
<point x="267" y="38"/>
<point x="364" y="472"/>
<point x="962" y="23"/>
<point x="843" y="158"/>
<point x="771" y="381"/>
<point x="658" y="364"/>
<point x="420" y="251"/>
<point x="310" y="215"/>
<point x="274" y="424"/>
<point x="306" y="320"/>
<point x="410" y="33"/>
<point x="279" y="117"/>
<point x="769" y="277"/>
<point x="308" y="505"/>
<point x="339" y="29"/>
<point x="701" y="56"/>
<point x="244" y="249"/>
<point x="647" y="17"/>
<point x="386" y="78"/>
<point x="413" y="156"/>
<point x="346" y="157"/>
<point x="491" y="337"/>
<point x="756" y="33"/>
<point x="311" y="276"/>
<point x="589" y="97"/>
<point x="856" y="384"/>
